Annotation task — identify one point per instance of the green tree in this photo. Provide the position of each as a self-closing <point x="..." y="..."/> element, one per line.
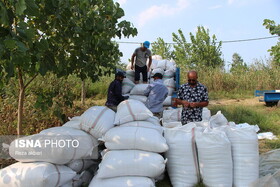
<point x="274" y="30"/>
<point x="62" y="37"/>
<point x="163" y="49"/>
<point x="202" y="51"/>
<point x="181" y="50"/>
<point x="238" y="65"/>
<point x="205" y="51"/>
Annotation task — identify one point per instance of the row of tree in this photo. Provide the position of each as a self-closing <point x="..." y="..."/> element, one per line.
<point x="204" y="50"/>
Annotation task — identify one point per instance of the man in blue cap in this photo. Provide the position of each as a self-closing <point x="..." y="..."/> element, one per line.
<point x="142" y="54"/>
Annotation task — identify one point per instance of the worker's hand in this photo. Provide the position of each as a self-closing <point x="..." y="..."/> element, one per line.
<point x="148" y="68"/>
<point x="193" y="105"/>
<point x="132" y="68"/>
<point x="186" y="104"/>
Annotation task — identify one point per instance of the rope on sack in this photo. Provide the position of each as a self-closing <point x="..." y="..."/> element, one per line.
<point x="195" y="157"/>
<point x="130" y="110"/>
<point x="97" y="119"/>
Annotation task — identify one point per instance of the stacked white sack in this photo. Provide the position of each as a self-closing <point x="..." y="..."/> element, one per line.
<point x="131" y="110"/>
<point x="172" y="117"/>
<point x="245" y="154"/>
<point x="133" y="147"/>
<point x="137" y="92"/>
<point x="57" y="145"/>
<point x="182" y="164"/>
<point x="35" y="174"/>
<point x="215" y="159"/>
<point x="96" y="121"/>
<point x="127" y="85"/>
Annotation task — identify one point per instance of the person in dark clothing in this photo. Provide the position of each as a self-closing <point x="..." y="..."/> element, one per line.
<point x="114" y="96"/>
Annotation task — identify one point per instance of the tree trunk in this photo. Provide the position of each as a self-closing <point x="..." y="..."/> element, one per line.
<point x="20" y="102"/>
<point x="83" y="94"/>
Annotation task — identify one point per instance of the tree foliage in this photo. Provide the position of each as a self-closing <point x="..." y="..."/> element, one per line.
<point x="181" y="49"/>
<point x="63" y="37"/>
<point x="205" y="51"/>
<point x="238" y="65"/>
<point x="163" y="49"/>
<point x="274" y="30"/>
<point x="202" y="51"/>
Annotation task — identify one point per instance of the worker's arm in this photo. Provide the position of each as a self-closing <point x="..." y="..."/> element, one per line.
<point x="199" y="104"/>
<point x="132" y="61"/>
<point x="149" y="63"/>
<point x="147" y="90"/>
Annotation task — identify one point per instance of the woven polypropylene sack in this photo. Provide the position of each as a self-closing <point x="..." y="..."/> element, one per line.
<point x="127" y="181"/>
<point x="131" y="110"/>
<point x="139" y="89"/>
<point x="117" y="163"/>
<point x="245" y="154"/>
<point x="214" y="155"/>
<point x="141" y="98"/>
<point x="127" y="85"/>
<point x="139" y="138"/>
<point x="35" y="174"/>
<point x="97" y="120"/>
<point x="57" y="145"/>
<point x="151" y="123"/>
<point x="182" y="165"/>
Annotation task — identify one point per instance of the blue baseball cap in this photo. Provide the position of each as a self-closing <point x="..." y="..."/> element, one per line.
<point x="146" y="44"/>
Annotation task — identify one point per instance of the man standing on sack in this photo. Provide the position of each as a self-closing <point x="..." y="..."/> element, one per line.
<point x="193" y="96"/>
<point x="156" y="93"/>
<point x="142" y="54"/>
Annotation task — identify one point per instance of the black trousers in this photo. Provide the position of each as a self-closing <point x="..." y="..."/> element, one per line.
<point x="142" y="70"/>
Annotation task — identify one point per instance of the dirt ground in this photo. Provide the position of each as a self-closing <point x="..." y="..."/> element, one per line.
<point x="248" y="101"/>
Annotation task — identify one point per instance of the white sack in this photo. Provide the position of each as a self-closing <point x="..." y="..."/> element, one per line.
<point x="162" y="64"/>
<point x="168" y="74"/>
<point x="82" y="179"/>
<point x="97" y="120"/>
<point x="215" y="161"/>
<point x="170" y="65"/>
<point x="167" y="101"/>
<point x="127" y="85"/>
<point x="172" y="124"/>
<point x="130" y="74"/>
<point x="81" y="164"/>
<point x="170" y="84"/>
<point x="58" y="145"/>
<point x="172" y="115"/>
<point x="218" y="120"/>
<point x="138" y="138"/>
<point x="154" y="63"/>
<point x="141" y="98"/>
<point x="269" y="162"/>
<point x="149" y="124"/>
<point x="155" y="120"/>
<point x="206" y="114"/>
<point x="37" y="174"/>
<point x="182" y="165"/>
<point x="266" y="181"/>
<point x="131" y="110"/>
<point x="157" y="57"/>
<point x="139" y="89"/>
<point x="245" y="154"/>
<point x="126" y="181"/>
<point x="119" y="163"/>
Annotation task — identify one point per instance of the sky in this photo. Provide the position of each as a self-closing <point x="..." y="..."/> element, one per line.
<point x="228" y="20"/>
